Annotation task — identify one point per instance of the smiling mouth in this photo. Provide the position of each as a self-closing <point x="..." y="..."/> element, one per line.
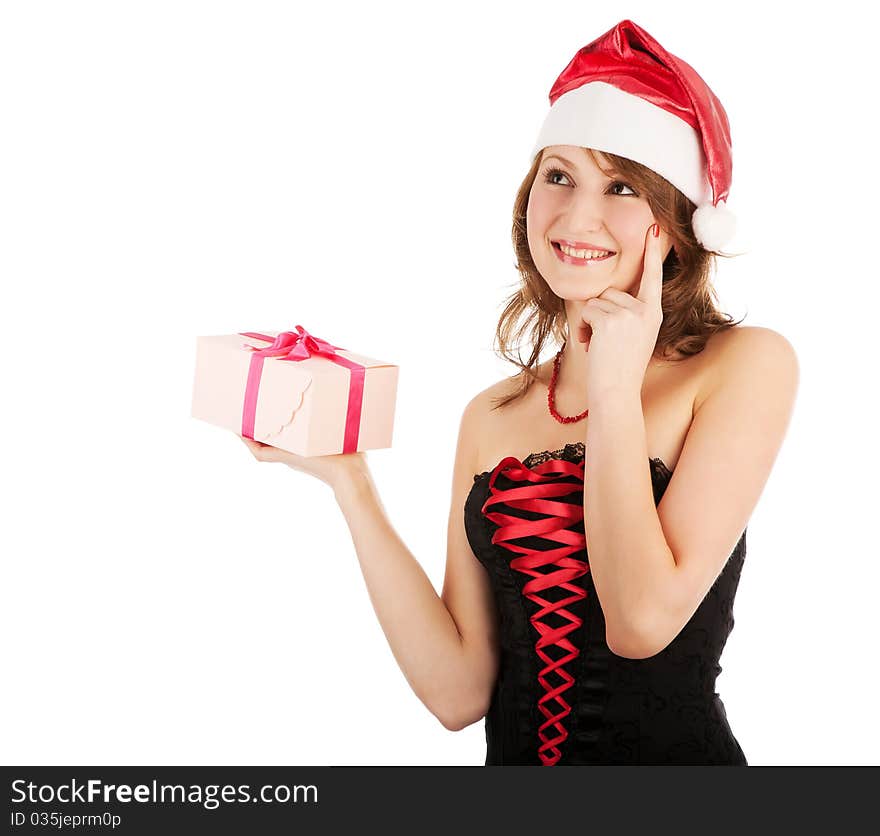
<point x="570" y="259"/>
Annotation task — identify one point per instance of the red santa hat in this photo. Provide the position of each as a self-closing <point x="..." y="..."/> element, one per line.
<point x="626" y="95"/>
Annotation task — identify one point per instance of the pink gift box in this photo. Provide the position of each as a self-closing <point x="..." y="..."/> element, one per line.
<point x="295" y="391"/>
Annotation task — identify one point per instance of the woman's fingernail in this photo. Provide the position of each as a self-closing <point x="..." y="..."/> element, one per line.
<point x="656" y="230"/>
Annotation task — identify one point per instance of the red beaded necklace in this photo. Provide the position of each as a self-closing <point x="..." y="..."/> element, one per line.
<point x="563" y="419"/>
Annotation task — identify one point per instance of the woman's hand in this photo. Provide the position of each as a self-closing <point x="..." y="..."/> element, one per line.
<point x="623" y="329"/>
<point x="329" y="469"/>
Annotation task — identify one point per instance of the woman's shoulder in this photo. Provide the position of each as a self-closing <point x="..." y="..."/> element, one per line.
<point x="513" y="385"/>
<point x="740" y="343"/>
<point x="741" y="347"/>
<point x="739" y="333"/>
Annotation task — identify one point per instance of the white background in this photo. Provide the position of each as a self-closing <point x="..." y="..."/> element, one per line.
<point x="171" y="169"/>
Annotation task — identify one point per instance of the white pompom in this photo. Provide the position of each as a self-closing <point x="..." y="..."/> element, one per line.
<point x="714" y="226"/>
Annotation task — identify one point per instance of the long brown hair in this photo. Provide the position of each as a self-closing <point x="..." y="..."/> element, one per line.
<point x="690" y="316"/>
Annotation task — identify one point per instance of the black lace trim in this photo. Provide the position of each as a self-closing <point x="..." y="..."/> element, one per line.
<point x="572" y="453"/>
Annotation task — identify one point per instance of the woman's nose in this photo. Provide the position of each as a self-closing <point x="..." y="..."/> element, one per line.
<point x="586" y="211"/>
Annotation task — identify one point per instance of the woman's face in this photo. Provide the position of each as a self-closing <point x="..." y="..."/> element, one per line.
<point x="572" y="199"/>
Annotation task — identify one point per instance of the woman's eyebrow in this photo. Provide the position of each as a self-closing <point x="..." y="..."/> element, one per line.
<point x="611" y="172"/>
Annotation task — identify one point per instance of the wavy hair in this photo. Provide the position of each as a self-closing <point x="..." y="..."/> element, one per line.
<point x="690" y="315"/>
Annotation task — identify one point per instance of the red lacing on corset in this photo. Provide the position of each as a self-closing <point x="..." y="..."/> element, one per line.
<point x="553" y="567"/>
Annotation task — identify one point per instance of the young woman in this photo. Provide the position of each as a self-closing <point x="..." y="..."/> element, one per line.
<point x="600" y="500"/>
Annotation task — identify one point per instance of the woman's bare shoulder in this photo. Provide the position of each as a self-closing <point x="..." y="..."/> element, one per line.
<point x="490" y="397"/>
<point x="723" y="348"/>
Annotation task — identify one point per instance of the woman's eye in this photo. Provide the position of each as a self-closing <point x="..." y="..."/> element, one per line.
<point x="621" y="183"/>
<point x="551" y="173"/>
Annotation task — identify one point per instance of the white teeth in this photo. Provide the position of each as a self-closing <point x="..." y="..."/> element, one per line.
<point x="584" y="253"/>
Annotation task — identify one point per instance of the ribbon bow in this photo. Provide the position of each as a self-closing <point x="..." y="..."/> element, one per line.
<point x="294" y="345"/>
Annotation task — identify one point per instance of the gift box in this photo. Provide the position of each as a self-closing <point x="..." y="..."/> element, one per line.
<point x="295" y="391"/>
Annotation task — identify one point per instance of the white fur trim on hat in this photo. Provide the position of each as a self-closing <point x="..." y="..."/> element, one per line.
<point x="601" y="116"/>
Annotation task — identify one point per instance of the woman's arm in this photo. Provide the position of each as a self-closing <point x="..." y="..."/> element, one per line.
<point x="654" y="564"/>
<point x="452" y="676"/>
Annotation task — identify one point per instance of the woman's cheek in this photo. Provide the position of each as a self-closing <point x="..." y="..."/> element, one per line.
<point x="538" y="211"/>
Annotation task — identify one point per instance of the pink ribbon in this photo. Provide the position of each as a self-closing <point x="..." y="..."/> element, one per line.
<point x="301" y="345"/>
